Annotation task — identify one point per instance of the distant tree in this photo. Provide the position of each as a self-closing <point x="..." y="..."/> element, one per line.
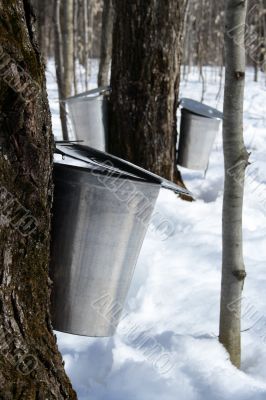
<point x="236" y="161"/>
<point x="147" y="48"/>
<point x="31" y="366"/>
<point x="68" y="45"/>
<point x="106" y="43"/>
<point x="43" y="12"/>
<point x="60" y="67"/>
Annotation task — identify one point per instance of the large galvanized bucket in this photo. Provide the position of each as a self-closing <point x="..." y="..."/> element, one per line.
<point x="199" y="127"/>
<point x="101" y="214"/>
<point x="89" y="117"/>
<point x="98" y="230"/>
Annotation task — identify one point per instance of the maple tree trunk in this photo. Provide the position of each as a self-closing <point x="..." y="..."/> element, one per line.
<point x="31" y="366"/>
<point x="146" y="59"/>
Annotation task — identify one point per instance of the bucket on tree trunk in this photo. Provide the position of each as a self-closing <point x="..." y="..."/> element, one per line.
<point x="101" y="212"/>
<point x="199" y="127"/>
<point x="89" y="117"/>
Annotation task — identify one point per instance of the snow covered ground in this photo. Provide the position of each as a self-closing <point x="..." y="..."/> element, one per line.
<point x="174" y="298"/>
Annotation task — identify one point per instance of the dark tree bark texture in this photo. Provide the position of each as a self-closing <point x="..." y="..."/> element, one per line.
<point x="30" y="365"/>
<point x="145" y="82"/>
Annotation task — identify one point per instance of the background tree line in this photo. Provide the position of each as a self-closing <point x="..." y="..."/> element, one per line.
<point x="81" y="22"/>
<point x="74" y="32"/>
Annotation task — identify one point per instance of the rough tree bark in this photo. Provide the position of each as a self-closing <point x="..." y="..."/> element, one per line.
<point x="145" y="82"/>
<point x="30" y="365"/>
<point x="236" y="161"/>
<point x="106" y="43"/>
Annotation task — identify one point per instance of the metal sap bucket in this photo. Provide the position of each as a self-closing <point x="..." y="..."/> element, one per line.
<point x="100" y="217"/>
<point x="89" y="117"/>
<point x="199" y="127"/>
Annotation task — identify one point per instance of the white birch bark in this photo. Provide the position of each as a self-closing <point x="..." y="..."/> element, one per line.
<point x="236" y="161"/>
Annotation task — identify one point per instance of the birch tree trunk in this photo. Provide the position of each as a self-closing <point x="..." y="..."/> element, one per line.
<point x="236" y="161"/>
<point x="146" y="59"/>
<point x="31" y="367"/>
<point x="106" y="43"/>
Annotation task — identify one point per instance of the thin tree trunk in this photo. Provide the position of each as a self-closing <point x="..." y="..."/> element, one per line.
<point x="256" y="71"/>
<point x="59" y="64"/>
<point x="91" y="18"/>
<point x="106" y="43"/>
<point x="68" y="45"/>
<point x="86" y="42"/>
<point x="146" y="58"/>
<point x="75" y="55"/>
<point x="43" y="37"/>
<point x="236" y="161"/>
<point x="31" y="367"/>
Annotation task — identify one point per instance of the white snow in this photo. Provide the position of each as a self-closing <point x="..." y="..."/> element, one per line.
<point x="174" y="297"/>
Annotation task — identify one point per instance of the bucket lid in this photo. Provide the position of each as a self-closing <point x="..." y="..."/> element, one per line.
<point x="200" y="109"/>
<point x="105" y="162"/>
<point x="90" y="93"/>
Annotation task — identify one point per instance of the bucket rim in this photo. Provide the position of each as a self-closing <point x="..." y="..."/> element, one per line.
<point x="118" y="165"/>
<point x="92" y="94"/>
<point x="191" y="115"/>
<point x="98" y="172"/>
<point x="200" y="109"/>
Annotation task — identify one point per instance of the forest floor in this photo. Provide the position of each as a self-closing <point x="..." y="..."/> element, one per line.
<point x="173" y="304"/>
